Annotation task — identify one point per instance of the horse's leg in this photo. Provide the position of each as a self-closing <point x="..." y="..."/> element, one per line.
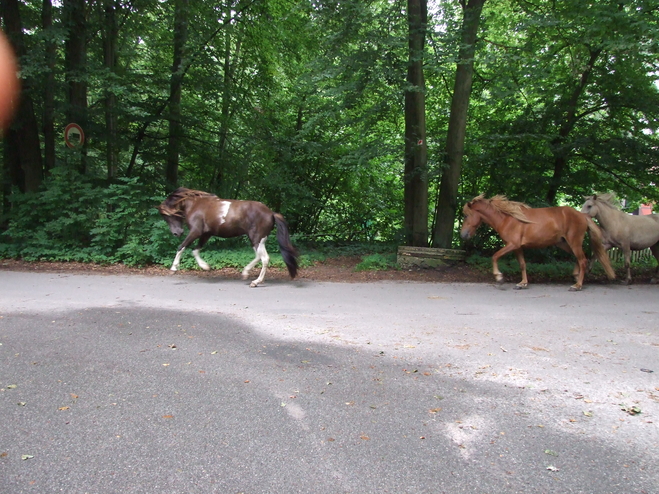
<point x="628" y="264"/>
<point x="579" y="271"/>
<point x="519" y="253"/>
<point x="655" y="252"/>
<point x="563" y="245"/>
<point x="261" y="255"/>
<point x="200" y="262"/>
<point x="495" y="264"/>
<point x="192" y="236"/>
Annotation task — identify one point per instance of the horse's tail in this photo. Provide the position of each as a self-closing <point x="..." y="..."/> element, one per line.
<point x="598" y="248"/>
<point x="288" y="252"/>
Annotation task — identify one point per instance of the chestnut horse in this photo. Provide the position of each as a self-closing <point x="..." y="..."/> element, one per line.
<point x="207" y="215"/>
<point x="521" y="226"/>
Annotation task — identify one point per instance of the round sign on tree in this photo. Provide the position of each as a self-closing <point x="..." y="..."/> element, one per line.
<point x="74" y="136"/>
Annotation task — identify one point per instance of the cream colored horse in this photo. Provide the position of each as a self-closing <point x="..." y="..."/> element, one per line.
<point x="625" y="231"/>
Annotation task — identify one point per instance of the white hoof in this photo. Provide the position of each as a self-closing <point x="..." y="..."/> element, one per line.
<point x="253" y="284"/>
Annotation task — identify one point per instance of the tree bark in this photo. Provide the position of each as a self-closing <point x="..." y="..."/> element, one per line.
<point x="178" y="70"/>
<point x="48" y="122"/>
<point x="75" y="58"/>
<point x="416" y="173"/>
<point x="457" y="127"/>
<point x="110" y="34"/>
<point x="23" y="139"/>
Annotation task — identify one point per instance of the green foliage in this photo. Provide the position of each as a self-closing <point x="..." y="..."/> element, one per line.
<point x="300" y="105"/>
<point x="377" y="262"/>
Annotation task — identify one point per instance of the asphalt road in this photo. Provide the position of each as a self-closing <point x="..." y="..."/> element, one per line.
<point x="180" y="384"/>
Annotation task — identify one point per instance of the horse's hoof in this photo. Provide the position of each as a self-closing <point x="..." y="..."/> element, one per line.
<point x="521" y="286"/>
<point x="173" y="270"/>
<point x="253" y="284"/>
<point x="575" y="288"/>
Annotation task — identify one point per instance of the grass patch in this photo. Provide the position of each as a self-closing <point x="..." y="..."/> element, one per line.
<point x="377" y="262"/>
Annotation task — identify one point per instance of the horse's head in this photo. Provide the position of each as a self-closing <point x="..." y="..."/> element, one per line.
<point x="473" y="218"/>
<point x="173" y="218"/>
<point x="590" y="207"/>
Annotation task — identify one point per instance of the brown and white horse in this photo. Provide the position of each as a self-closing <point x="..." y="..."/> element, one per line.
<point x="521" y="227"/>
<point x="206" y="215"/>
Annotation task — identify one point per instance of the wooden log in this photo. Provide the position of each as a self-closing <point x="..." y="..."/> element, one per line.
<point x="426" y="257"/>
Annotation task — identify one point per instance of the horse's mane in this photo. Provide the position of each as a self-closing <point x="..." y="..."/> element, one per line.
<point x="502" y="204"/>
<point x="172" y="205"/>
<point x="608" y="199"/>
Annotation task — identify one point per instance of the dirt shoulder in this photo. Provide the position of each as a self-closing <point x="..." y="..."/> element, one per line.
<point x="340" y="269"/>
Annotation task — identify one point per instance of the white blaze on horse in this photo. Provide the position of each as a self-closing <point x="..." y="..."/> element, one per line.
<point x="206" y="215"/>
<point x="625" y="231"/>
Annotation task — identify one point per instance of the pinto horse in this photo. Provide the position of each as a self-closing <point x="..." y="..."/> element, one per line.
<point x="521" y="226"/>
<point x="207" y="215"/>
<point x="625" y="231"/>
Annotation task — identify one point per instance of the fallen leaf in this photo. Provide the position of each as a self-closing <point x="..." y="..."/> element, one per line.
<point x="27" y="457"/>
<point x="365" y="438"/>
<point x="12" y="386"/>
<point x="168" y="416"/>
<point x="588" y="414"/>
<point x="63" y="408"/>
<point x="550" y="452"/>
<point x="552" y="468"/>
<point x="633" y="410"/>
<point x="434" y="410"/>
<point x="21" y="403"/>
<point x="214" y="352"/>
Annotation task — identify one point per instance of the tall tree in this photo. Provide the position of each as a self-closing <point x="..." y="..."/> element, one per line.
<point x="178" y="70"/>
<point x="110" y="34"/>
<point x="457" y="127"/>
<point x="75" y="59"/>
<point x="24" y="151"/>
<point x="416" y="155"/>
<point x="48" y="122"/>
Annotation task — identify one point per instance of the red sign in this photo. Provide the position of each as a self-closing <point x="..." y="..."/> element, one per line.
<point x="74" y="136"/>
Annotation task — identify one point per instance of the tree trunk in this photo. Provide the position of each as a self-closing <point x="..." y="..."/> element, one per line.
<point x="23" y="139"/>
<point x="566" y="126"/>
<point x="75" y="55"/>
<point x="416" y="173"/>
<point x="48" y="123"/>
<point x="178" y="69"/>
<point x="110" y="62"/>
<point x="457" y="127"/>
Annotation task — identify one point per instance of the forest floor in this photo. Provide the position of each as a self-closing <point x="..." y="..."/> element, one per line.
<point x="335" y="269"/>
